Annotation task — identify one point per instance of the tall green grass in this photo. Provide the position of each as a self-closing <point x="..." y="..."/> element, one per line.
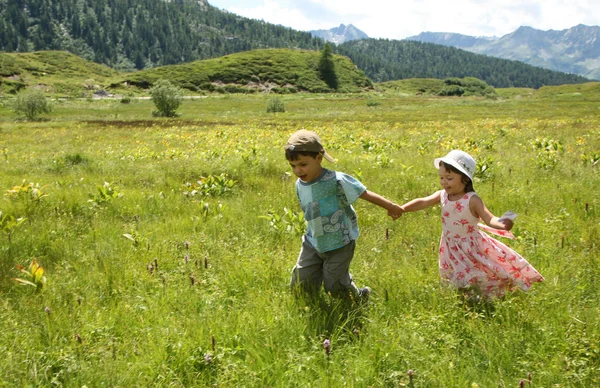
<point x="154" y="287"/>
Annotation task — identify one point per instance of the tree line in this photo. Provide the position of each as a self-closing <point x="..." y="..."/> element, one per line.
<point x="385" y="60"/>
<point x="138" y="34"/>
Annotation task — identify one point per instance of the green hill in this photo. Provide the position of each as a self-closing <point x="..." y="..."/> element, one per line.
<point x="467" y="86"/>
<point x="275" y="70"/>
<point x="57" y="72"/>
<point x="134" y="35"/>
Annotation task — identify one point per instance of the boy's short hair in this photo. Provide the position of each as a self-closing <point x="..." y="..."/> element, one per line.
<point x="306" y="141"/>
<point x="294" y="155"/>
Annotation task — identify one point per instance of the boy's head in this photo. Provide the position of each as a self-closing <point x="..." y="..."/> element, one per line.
<point x="305" y="143"/>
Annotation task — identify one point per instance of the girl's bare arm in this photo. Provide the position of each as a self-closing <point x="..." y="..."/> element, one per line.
<point x="422" y="203"/>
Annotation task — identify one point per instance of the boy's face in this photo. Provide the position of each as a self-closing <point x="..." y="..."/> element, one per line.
<point x="307" y="168"/>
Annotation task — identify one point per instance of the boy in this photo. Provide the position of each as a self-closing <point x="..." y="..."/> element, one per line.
<point x="326" y="198"/>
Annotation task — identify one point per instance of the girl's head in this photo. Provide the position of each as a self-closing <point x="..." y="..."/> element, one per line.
<point x="459" y="163"/>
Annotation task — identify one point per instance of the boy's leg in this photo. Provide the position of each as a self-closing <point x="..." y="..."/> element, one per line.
<point x="308" y="271"/>
<point x="336" y="275"/>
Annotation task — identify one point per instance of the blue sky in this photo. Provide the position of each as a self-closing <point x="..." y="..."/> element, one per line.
<point x="402" y="18"/>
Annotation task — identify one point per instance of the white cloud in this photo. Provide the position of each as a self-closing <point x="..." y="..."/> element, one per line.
<point x="275" y="12"/>
<point x="397" y="20"/>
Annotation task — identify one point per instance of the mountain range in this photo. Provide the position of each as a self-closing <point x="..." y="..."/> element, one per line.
<point x="340" y="34"/>
<point x="132" y="35"/>
<point x="574" y="50"/>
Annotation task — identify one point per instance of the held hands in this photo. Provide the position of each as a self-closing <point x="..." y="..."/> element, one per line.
<point x="395" y="211"/>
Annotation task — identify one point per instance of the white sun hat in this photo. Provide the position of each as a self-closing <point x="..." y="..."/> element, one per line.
<point x="462" y="161"/>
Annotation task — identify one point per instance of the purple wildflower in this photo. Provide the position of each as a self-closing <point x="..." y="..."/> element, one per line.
<point x="327" y="346"/>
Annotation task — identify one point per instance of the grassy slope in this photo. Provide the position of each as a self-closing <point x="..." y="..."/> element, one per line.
<point x="58" y="72"/>
<point x="246" y="71"/>
<point x="112" y="322"/>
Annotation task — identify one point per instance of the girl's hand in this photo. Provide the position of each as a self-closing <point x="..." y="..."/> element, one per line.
<point x="508" y="224"/>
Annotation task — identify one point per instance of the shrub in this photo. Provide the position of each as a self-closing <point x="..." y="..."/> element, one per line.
<point x="274" y="105"/>
<point x="31" y="103"/>
<point x="452" y="90"/>
<point x="166" y="97"/>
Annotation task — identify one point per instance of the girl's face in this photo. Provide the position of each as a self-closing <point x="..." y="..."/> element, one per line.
<point x="307" y="168"/>
<point x="451" y="181"/>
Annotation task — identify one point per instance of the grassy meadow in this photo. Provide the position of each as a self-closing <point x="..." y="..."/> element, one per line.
<point x="167" y="244"/>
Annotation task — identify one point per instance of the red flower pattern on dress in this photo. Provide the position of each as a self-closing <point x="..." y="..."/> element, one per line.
<point x="492" y="266"/>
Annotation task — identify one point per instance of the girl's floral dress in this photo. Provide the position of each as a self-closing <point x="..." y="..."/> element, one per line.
<point x="471" y="258"/>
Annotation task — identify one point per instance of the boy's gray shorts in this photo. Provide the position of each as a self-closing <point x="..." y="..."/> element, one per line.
<point x="328" y="268"/>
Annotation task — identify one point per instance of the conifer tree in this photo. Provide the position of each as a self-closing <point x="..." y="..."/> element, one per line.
<point x="327" y="68"/>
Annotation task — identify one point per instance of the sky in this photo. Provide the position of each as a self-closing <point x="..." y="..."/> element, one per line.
<point x="398" y="19"/>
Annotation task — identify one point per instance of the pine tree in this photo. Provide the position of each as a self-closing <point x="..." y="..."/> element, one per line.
<point x="327" y="68"/>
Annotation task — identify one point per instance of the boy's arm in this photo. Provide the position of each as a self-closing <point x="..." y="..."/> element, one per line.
<point x="393" y="210"/>
<point x="422" y="203"/>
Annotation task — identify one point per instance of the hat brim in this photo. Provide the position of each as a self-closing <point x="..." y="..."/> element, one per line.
<point x="328" y="157"/>
<point x="453" y="163"/>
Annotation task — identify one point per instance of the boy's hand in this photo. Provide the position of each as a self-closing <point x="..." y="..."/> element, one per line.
<point x="395" y="211"/>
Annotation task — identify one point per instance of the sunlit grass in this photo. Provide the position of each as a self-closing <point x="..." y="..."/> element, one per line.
<point x="156" y="287"/>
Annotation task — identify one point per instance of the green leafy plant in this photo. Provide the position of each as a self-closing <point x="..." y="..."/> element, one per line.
<point x="484" y="168"/>
<point x="35" y="275"/>
<point x="383" y="160"/>
<point x="135" y="237"/>
<point x="207" y="209"/>
<point x="104" y="194"/>
<point x="547" y="152"/>
<point x="8" y="223"/>
<point x="210" y="186"/>
<point x="288" y="221"/>
<point x="31" y="191"/>
<point x="592" y="158"/>
<point x="31" y="103"/>
<point x="274" y="105"/>
<point x="166" y="97"/>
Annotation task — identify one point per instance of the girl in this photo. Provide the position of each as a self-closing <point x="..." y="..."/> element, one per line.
<point x="469" y="258"/>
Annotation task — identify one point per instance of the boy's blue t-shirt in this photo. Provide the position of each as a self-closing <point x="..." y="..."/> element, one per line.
<point x="327" y="205"/>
